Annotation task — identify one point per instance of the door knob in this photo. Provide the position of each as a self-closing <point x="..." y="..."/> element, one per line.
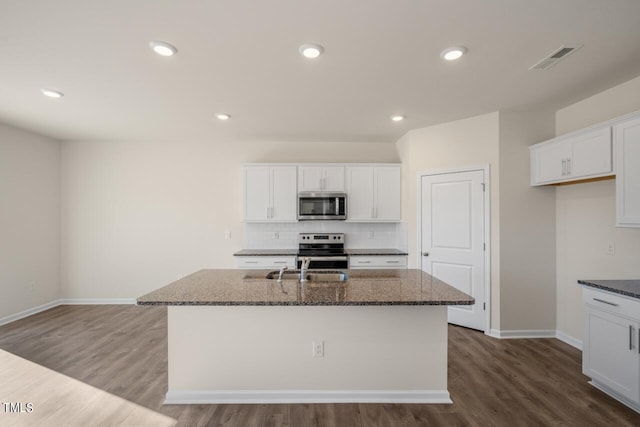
<point x="425" y="253"/>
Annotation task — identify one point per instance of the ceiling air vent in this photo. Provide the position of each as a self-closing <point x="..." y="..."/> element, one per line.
<point x="556" y="56"/>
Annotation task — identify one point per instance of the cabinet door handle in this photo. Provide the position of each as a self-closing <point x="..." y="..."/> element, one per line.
<point x="393" y="262"/>
<point x="630" y="337"/>
<point x="279" y="262"/>
<point x="251" y="262"/>
<point x="564" y="167"/>
<point x="568" y="166"/>
<point x="364" y="262"/>
<point x="425" y="253"/>
<point x="605" y="302"/>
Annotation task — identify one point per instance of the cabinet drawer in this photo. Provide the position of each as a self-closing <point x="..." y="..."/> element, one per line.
<point x="265" y="261"/>
<point x="376" y="261"/>
<point x="614" y="303"/>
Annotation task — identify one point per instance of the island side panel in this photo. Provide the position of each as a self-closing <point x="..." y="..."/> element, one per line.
<point x="250" y="354"/>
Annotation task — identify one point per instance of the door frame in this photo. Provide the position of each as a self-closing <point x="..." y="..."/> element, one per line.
<point x="486" y="169"/>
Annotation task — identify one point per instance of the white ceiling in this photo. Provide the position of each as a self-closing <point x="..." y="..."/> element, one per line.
<point x="241" y="57"/>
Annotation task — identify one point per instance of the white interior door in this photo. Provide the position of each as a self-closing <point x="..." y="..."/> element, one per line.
<point x="453" y="250"/>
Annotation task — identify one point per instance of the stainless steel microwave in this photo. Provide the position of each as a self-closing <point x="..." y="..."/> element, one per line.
<point x="322" y="206"/>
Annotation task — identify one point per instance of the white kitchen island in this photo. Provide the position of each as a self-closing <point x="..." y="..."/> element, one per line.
<point x="236" y="337"/>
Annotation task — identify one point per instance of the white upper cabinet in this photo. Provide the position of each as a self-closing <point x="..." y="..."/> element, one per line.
<point x="270" y="193"/>
<point x="321" y="178"/>
<point x="571" y="158"/>
<point x="373" y="193"/>
<point x="627" y="151"/>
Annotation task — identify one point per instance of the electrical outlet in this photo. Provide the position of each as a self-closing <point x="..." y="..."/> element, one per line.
<point x="372" y="235"/>
<point x="318" y="348"/>
<point x="611" y="248"/>
<point x="227" y="235"/>
<point x="276" y="234"/>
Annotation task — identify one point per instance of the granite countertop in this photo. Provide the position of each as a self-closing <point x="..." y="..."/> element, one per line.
<point x="363" y="287"/>
<point x="630" y="288"/>
<point x="266" y="252"/>
<point x="294" y="252"/>
<point x="375" y="252"/>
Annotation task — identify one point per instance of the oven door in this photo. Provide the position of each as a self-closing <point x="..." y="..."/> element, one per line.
<point x="332" y="262"/>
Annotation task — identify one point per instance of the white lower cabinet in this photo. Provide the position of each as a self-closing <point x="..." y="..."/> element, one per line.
<point x="611" y="347"/>
<point x="265" y="262"/>
<point x="377" y="261"/>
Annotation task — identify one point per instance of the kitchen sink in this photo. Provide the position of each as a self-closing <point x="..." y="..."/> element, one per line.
<point x="329" y="276"/>
<point x="312" y="276"/>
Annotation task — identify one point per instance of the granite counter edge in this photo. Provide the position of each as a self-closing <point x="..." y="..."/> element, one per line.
<point x="300" y="304"/>
<point x="609" y="288"/>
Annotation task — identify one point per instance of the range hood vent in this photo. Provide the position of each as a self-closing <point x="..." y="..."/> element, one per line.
<point x="556" y="56"/>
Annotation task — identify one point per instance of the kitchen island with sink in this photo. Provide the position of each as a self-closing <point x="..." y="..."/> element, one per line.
<point x="236" y="336"/>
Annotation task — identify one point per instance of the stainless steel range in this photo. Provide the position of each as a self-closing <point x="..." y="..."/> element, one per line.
<point x="326" y="250"/>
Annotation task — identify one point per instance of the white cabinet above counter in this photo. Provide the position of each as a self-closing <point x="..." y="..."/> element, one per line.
<point x="606" y="150"/>
<point x="569" y="158"/>
<point x="271" y="190"/>
<point x="321" y="178"/>
<point x="373" y="193"/>
<point x="269" y="193"/>
<point x="627" y="149"/>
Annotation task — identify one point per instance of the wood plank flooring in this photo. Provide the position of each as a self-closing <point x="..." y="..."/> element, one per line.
<point x="123" y="350"/>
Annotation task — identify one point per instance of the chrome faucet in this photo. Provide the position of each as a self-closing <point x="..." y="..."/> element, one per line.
<point x="282" y="270"/>
<point x="304" y="266"/>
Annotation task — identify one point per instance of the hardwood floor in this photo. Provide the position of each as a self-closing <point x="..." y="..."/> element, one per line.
<point x="123" y="350"/>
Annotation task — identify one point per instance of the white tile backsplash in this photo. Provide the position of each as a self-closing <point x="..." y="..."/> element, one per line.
<point x="357" y="235"/>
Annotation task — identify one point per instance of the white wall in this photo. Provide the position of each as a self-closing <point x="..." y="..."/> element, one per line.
<point x="29" y="220"/>
<point x="527" y="228"/>
<point x="468" y="142"/>
<point x="585" y="217"/>
<point x="522" y="218"/>
<point x="137" y="215"/>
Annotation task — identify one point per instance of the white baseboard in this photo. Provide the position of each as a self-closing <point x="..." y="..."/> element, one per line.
<point x="64" y="301"/>
<point x="542" y="333"/>
<point x="29" y="312"/>
<point x="96" y="301"/>
<point x="178" y="397"/>
<point x="568" y="339"/>
<point x="622" y="399"/>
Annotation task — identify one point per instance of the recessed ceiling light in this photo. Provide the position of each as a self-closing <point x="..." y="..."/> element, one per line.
<point x="397" y="118"/>
<point x="163" y="48"/>
<point x="453" y="53"/>
<point x="52" y="93"/>
<point x="311" y="50"/>
<point x="223" y="116"/>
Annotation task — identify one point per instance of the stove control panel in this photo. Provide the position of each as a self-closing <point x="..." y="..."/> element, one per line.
<point x="321" y="238"/>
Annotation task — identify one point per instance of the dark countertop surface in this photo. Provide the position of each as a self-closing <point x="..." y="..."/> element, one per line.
<point x="630" y="288"/>
<point x="375" y="252"/>
<point x="363" y="287"/>
<point x="294" y="252"/>
<point x="266" y="252"/>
